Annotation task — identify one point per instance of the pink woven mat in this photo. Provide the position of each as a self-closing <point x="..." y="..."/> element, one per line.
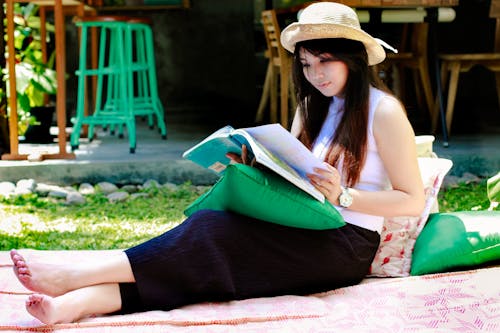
<point x="466" y="301"/>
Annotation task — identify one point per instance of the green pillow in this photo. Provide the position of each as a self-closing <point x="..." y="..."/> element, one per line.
<point x="267" y="196"/>
<point x="456" y="240"/>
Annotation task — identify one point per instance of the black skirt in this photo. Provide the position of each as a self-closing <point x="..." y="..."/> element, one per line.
<point x="219" y="256"/>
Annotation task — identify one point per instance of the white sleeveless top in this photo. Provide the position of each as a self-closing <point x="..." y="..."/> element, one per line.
<point x="373" y="176"/>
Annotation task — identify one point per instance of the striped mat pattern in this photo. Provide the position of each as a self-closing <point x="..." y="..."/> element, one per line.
<point x="465" y="301"/>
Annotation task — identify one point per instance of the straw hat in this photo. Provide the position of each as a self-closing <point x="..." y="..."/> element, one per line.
<point x="331" y="20"/>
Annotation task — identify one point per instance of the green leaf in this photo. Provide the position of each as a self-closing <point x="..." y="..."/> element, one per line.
<point x="23" y="101"/>
<point x="36" y="95"/>
<point x="45" y="82"/>
<point x="24" y="73"/>
<point x="35" y="23"/>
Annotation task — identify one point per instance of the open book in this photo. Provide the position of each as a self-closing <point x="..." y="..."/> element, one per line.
<point x="271" y="145"/>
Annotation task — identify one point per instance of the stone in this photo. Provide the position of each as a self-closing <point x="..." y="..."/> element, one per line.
<point x="106" y="187"/>
<point x="7" y="188"/>
<point x="450" y="181"/>
<point x="75" y="198"/>
<point x="171" y="186"/>
<point x="26" y="184"/>
<point x="129" y="188"/>
<point x="118" y="196"/>
<point x="134" y="196"/>
<point x="468" y="178"/>
<point x="44" y="189"/>
<point x="202" y="188"/>
<point x="86" y="189"/>
<point x="58" y="193"/>
<point x="151" y="183"/>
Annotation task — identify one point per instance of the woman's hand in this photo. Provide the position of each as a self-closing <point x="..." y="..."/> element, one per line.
<point x="327" y="181"/>
<point x="243" y="159"/>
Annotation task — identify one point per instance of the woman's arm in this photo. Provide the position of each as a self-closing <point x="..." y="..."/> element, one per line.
<point x="395" y="141"/>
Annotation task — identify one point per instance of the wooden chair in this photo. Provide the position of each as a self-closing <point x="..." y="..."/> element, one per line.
<point x="278" y="71"/>
<point x="454" y="64"/>
<point x="412" y="55"/>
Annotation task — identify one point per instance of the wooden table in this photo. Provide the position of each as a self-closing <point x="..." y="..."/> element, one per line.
<point x="60" y="8"/>
<point x="379" y="4"/>
<point x="431" y="6"/>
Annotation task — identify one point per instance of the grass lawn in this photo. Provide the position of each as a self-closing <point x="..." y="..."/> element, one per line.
<point x="47" y="224"/>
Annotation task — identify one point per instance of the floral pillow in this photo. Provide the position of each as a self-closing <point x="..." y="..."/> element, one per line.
<point x="399" y="234"/>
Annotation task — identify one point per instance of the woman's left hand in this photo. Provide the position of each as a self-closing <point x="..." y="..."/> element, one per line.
<point x="327" y="181"/>
<point x="244" y="158"/>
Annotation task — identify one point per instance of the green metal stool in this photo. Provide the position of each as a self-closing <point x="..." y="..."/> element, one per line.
<point x="140" y="59"/>
<point x="126" y="77"/>
<point x="111" y="67"/>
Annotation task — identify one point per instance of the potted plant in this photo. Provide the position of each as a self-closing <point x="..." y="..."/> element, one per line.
<point x="34" y="77"/>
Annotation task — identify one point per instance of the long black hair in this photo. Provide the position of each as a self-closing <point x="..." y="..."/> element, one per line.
<point x="350" y="140"/>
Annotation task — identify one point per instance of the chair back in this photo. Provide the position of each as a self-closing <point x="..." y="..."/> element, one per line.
<point x="495" y="9"/>
<point x="420" y="39"/>
<point x="279" y="70"/>
<point x="414" y="38"/>
<point x="272" y="33"/>
<point x="495" y="14"/>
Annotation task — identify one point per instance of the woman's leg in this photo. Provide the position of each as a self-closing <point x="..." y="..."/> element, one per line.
<point x="57" y="279"/>
<point x="219" y="256"/>
<point x="76" y="304"/>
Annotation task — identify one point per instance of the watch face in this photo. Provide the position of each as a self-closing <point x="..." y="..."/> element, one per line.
<point x="345" y="199"/>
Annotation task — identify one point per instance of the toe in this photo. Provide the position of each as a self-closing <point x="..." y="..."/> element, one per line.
<point x="17" y="257"/>
<point x="23" y="270"/>
<point x="32" y="300"/>
<point x="35" y="298"/>
<point x="24" y="277"/>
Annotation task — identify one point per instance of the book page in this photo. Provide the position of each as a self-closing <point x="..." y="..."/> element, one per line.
<point x="286" y="147"/>
<point x="280" y="151"/>
<point x="271" y="145"/>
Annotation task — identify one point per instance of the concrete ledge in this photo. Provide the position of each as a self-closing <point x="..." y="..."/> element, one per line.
<point x="483" y="166"/>
<point x="108" y="159"/>
<point x="174" y="171"/>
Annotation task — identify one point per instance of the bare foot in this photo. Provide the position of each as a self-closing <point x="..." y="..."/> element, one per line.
<point x="74" y="305"/>
<point x="49" y="310"/>
<point x="48" y="279"/>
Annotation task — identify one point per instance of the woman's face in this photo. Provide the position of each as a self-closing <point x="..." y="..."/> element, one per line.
<point x="325" y="72"/>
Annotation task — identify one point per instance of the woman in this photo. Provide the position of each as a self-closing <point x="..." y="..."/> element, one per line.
<point x="370" y="171"/>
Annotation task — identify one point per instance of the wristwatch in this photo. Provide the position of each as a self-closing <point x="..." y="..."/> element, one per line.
<point x="345" y="198"/>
